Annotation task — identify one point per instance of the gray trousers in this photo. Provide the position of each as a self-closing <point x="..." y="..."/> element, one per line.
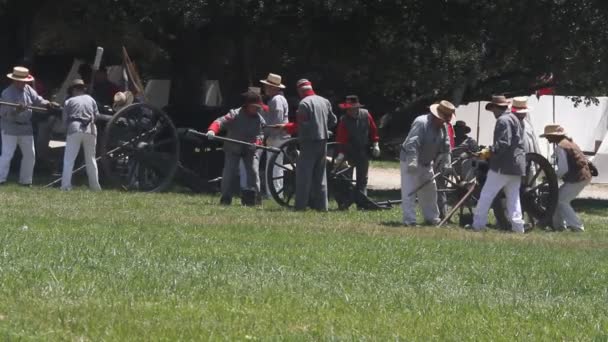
<point x="311" y="176"/>
<point x="251" y="162"/>
<point x="360" y="161"/>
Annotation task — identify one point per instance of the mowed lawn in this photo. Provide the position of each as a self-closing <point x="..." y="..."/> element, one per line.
<point x="126" y="266"/>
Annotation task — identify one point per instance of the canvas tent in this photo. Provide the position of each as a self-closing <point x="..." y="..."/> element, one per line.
<point x="588" y="126"/>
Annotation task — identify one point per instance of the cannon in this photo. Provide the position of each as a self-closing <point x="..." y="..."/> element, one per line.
<point x="340" y="183"/>
<point x="538" y="193"/>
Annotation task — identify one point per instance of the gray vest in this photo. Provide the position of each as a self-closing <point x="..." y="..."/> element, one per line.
<point x="358" y="129"/>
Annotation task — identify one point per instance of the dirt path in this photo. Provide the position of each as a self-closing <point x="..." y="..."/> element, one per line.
<point x="390" y="179"/>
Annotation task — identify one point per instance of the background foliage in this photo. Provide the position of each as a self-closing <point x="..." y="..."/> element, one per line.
<point x="401" y="53"/>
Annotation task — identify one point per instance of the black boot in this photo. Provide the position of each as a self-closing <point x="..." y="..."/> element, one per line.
<point x="248" y="198"/>
<point x="226" y="200"/>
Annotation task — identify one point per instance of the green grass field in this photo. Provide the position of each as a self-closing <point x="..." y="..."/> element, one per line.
<point x="124" y="266"/>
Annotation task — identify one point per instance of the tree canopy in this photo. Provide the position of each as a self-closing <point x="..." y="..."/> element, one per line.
<point x="393" y="53"/>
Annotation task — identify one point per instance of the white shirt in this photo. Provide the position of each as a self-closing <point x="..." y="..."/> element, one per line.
<point x="562" y="161"/>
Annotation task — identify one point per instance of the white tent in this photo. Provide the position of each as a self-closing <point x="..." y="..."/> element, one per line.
<point x="588" y="126"/>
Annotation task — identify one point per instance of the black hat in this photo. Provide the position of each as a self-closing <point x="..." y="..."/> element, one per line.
<point x="352" y="101"/>
<point x="461" y="125"/>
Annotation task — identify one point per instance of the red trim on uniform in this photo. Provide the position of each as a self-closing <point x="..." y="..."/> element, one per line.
<point x="515" y="109"/>
<point x="304" y="84"/>
<point x="373" y="129"/>
<point x="259" y="142"/>
<point x="342" y="133"/>
<point x="291" y="128"/>
<point x="347" y="105"/>
<point x="451" y="135"/>
<point x="308" y="92"/>
<point x="215" y="127"/>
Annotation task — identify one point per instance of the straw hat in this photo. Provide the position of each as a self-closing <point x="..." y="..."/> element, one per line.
<point x="443" y="110"/>
<point x="520" y="105"/>
<point x="20" y="74"/>
<point x="122" y="99"/>
<point x="498" y="101"/>
<point x="273" y="80"/>
<point x="352" y="101"/>
<point x="554" y="131"/>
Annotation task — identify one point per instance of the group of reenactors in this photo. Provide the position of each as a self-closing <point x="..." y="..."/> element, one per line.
<point x="427" y="150"/>
<point x="78" y="114"/>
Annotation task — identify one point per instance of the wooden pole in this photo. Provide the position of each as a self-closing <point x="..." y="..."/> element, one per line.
<point x="478" y="118"/>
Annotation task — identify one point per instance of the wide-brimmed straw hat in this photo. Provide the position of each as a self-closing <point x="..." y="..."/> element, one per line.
<point x="273" y="80"/>
<point x="122" y="99"/>
<point x="352" y="101"/>
<point x="520" y="105"/>
<point x="461" y="125"/>
<point x="443" y="110"/>
<point x="20" y="74"/>
<point x="498" y="101"/>
<point x="554" y="131"/>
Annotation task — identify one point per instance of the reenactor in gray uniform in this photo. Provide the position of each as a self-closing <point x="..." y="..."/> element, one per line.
<point x="79" y="113"/>
<point x="428" y="138"/>
<point x="17" y="130"/>
<point x="314" y="119"/>
<point x="356" y="133"/>
<point x="464" y="144"/>
<point x="277" y="113"/>
<point x="244" y="124"/>
<point x="507" y="166"/>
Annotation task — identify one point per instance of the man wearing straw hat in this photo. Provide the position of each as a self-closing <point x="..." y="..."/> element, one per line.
<point x="573" y="169"/>
<point x="314" y="118"/>
<point x="79" y="113"/>
<point x="521" y="110"/>
<point x="278" y="113"/>
<point x="16" y="124"/>
<point x="428" y="138"/>
<point x="507" y="165"/>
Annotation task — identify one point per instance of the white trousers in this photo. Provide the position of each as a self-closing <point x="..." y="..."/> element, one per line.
<point x="494" y="183"/>
<point x="565" y="216"/>
<point x="427" y="196"/>
<point x="26" y="145"/>
<point x="72" y="147"/>
<point x="277" y="171"/>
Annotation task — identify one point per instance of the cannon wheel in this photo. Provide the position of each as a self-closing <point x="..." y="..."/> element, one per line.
<point x="538" y="195"/>
<point x="141" y="149"/>
<point x="283" y="191"/>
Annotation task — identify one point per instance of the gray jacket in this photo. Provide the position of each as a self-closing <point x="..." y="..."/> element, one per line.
<point x="508" y="155"/>
<point x="19" y="123"/>
<point x="315" y="118"/>
<point x="424" y="143"/>
<point x="240" y="126"/>
<point x="278" y="113"/>
<point x="79" y="114"/>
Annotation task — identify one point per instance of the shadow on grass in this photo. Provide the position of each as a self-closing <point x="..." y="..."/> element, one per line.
<point x="591" y="206"/>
